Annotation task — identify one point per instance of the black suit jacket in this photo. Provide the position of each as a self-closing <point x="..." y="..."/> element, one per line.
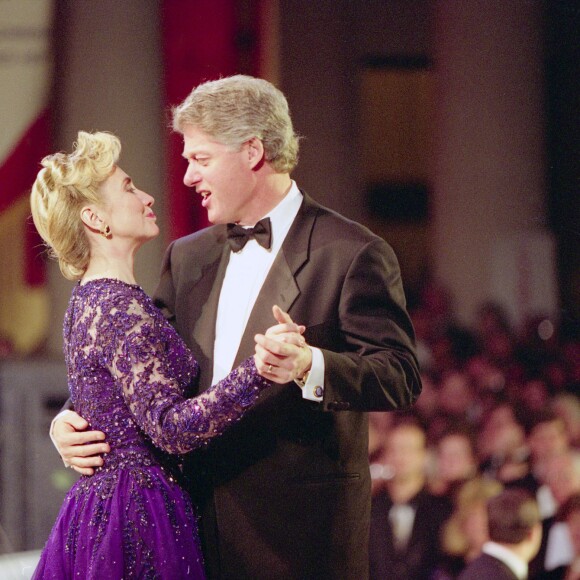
<point x="420" y="557"/>
<point x="286" y="492"/>
<point x="486" y="567"/>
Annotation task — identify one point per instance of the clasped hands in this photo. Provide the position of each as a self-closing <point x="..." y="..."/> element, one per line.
<point x="282" y="355"/>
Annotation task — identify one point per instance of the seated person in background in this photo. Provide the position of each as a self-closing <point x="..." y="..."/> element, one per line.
<point x="466" y="531"/>
<point x="569" y="514"/>
<point x="501" y="445"/>
<point x="562" y="478"/>
<point x="455" y="461"/>
<point x="405" y="517"/>
<point x="546" y="438"/>
<point x="515" y="533"/>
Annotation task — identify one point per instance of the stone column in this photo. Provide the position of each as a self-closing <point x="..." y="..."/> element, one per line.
<point x="488" y="204"/>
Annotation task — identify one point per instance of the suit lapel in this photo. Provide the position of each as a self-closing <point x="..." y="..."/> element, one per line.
<point x="280" y="286"/>
<point x="208" y="293"/>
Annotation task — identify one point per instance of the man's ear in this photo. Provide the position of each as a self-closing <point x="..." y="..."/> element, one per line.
<point x="91" y="219"/>
<point x="255" y="152"/>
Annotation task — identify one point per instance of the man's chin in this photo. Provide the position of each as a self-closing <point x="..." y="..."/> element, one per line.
<point x="215" y="218"/>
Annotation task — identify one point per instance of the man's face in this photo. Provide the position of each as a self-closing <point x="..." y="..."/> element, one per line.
<point x="406" y="452"/>
<point x="224" y="177"/>
<point x="548" y="439"/>
<point x="455" y="459"/>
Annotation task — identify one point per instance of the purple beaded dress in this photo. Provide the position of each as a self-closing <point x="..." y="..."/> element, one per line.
<point x="128" y="374"/>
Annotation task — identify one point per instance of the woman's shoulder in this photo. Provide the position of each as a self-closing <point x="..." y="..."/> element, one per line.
<point x="110" y="297"/>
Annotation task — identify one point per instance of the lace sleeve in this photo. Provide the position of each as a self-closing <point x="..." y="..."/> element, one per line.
<point x="144" y="364"/>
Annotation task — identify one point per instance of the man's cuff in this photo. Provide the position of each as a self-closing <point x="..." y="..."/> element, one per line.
<point x="313" y="387"/>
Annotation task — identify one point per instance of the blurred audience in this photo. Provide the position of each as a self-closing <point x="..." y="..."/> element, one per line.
<point x="514" y="531"/>
<point x="567" y="407"/>
<point x="569" y="514"/>
<point x="501" y="444"/>
<point x="562" y="478"/>
<point x="455" y="461"/>
<point x="466" y="531"/>
<point x="405" y="516"/>
<point x="500" y="409"/>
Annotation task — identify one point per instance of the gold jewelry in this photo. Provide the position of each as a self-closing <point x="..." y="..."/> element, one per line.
<point x="270" y="369"/>
<point x="105" y="231"/>
<point x="301" y="382"/>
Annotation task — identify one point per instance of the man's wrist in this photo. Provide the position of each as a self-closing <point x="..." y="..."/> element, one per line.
<point x="301" y="381"/>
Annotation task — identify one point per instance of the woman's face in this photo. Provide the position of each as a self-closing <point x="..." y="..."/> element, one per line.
<point x="127" y="209"/>
<point x="475" y="525"/>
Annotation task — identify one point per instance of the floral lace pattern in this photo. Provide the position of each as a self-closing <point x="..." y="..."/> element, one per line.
<point x="129" y="372"/>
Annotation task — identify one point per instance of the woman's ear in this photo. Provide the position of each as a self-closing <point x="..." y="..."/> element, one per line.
<point x="255" y="152"/>
<point x="91" y="219"/>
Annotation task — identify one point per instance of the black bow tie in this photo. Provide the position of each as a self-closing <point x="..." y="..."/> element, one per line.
<point x="238" y="236"/>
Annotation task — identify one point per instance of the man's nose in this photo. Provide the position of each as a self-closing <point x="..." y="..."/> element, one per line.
<point x="191" y="176"/>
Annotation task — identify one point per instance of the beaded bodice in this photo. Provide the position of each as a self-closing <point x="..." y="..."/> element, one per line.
<point x="129" y="371"/>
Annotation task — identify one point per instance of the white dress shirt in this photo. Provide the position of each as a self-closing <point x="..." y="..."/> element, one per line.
<point x="402" y="518"/>
<point x="513" y="562"/>
<point x="245" y="275"/>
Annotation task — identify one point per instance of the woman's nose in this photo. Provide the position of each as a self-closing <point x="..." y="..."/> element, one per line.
<point x="147" y="199"/>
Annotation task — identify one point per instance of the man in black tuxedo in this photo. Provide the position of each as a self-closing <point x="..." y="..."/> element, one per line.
<point x="515" y="532"/>
<point x="286" y="493"/>
<point x="406" y="519"/>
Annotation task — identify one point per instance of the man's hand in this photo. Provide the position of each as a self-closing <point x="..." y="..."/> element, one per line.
<point x="78" y="448"/>
<point x="282" y="354"/>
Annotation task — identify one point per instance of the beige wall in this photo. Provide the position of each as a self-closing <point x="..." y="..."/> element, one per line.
<point x="109" y="78"/>
<point x="489" y="159"/>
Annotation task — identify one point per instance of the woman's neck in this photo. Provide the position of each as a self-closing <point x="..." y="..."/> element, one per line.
<point x="119" y="268"/>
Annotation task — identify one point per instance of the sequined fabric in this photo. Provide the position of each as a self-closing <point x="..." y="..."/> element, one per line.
<point x="128" y="372"/>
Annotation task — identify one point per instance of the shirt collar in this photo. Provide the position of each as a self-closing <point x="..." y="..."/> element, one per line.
<point x="283" y="215"/>
<point x="503" y="554"/>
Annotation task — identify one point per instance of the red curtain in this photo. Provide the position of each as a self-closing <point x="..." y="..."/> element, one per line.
<point x="17" y="173"/>
<point x="202" y="40"/>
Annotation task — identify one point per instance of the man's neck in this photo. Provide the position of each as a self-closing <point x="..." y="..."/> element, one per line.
<point x="270" y="190"/>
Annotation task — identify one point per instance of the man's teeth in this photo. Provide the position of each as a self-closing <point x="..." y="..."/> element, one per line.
<point x="204" y="194"/>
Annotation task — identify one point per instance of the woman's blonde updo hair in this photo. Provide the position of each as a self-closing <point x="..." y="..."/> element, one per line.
<point x="66" y="184"/>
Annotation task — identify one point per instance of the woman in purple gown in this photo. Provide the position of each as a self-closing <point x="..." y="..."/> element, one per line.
<point x="128" y="373"/>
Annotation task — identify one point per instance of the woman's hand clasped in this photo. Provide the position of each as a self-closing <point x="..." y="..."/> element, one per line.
<point x="282" y="354"/>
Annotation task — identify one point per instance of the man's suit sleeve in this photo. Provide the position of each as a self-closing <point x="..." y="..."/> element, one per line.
<point x="164" y="295"/>
<point x="376" y="368"/>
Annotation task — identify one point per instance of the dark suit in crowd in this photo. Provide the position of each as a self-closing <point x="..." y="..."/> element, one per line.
<point x="419" y="558"/>
<point x="486" y="567"/>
